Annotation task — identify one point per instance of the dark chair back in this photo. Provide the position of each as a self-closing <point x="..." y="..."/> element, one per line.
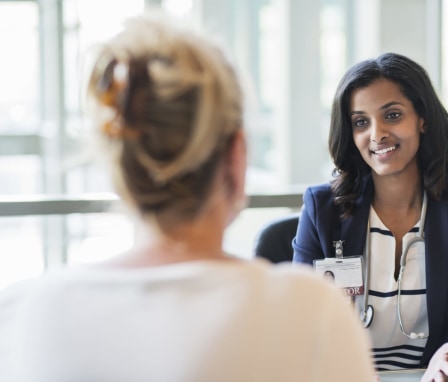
<point x="274" y="241"/>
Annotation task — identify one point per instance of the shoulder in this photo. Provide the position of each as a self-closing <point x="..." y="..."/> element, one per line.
<point x="436" y="224"/>
<point x="320" y="194"/>
<point x="306" y="307"/>
<point x="436" y="215"/>
<point x="319" y="191"/>
<point x="12" y="300"/>
<point x="38" y="294"/>
<point x="437" y="204"/>
<point x="296" y="288"/>
<point x="16" y="291"/>
<point x="297" y="282"/>
<point x="318" y="198"/>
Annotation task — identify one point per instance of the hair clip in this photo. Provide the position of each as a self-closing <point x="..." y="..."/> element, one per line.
<point x="114" y="130"/>
<point x="118" y="81"/>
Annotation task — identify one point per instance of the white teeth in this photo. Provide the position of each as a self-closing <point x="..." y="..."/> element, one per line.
<point x="384" y="151"/>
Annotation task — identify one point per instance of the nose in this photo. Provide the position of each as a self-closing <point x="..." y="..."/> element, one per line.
<point x="378" y="131"/>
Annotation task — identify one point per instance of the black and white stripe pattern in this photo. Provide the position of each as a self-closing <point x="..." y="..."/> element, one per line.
<point x="397" y="357"/>
<point x="391" y="349"/>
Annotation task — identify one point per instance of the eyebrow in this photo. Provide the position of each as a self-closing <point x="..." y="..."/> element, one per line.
<point x="389" y="104"/>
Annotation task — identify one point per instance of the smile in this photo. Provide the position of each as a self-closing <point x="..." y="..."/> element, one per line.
<point x="384" y="151"/>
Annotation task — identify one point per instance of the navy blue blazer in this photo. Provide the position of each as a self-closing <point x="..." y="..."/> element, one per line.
<point x="320" y="225"/>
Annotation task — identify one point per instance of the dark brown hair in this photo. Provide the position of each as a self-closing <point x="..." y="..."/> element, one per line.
<point x="351" y="171"/>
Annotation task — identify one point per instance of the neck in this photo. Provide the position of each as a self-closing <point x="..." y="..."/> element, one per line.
<point x="200" y="238"/>
<point x="393" y="193"/>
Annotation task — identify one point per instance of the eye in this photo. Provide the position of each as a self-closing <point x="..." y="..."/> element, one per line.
<point x="360" y="122"/>
<point x="393" y="115"/>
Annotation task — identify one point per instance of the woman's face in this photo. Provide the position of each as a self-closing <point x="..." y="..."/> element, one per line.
<point x="386" y="128"/>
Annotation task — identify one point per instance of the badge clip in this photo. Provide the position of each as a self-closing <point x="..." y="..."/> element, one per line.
<point x="339" y="251"/>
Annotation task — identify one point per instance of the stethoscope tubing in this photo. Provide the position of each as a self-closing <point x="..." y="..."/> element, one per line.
<point x="367" y="311"/>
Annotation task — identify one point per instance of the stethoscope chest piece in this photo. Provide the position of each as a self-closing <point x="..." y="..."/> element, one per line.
<point x="366" y="316"/>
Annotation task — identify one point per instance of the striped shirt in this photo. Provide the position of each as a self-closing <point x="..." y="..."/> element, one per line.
<point x="392" y="350"/>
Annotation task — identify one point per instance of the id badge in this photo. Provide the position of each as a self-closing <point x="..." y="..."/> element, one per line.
<point x="345" y="272"/>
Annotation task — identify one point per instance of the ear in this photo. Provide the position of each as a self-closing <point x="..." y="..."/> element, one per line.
<point x="422" y="125"/>
<point x="236" y="172"/>
<point x="238" y="164"/>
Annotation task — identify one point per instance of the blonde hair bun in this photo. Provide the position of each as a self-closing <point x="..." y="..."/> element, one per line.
<point x="166" y="101"/>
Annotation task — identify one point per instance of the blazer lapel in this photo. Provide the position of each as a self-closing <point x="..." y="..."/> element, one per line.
<point x="354" y="229"/>
<point x="436" y="262"/>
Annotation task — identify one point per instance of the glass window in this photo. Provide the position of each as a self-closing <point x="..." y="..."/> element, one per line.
<point x="19" y="74"/>
<point x="82" y="30"/>
<point x="97" y="237"/>
<point x="290" y="55"/>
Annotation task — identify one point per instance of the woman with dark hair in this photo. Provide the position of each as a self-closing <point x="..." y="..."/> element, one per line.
<point x="389" y="143"/>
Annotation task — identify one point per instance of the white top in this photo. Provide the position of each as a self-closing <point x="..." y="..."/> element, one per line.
<point x="391" y="348"/>
<point x="196" y="321"/>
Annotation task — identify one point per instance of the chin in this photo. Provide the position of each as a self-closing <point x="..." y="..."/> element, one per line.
<point x="386" y="172"/>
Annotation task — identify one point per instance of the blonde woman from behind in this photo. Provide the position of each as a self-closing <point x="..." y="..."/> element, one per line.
<point x="168" y="111"/>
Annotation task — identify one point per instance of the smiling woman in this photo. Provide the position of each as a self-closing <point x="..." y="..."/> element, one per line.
<point x="386" y="129"/>
<point x="389" y="143"/>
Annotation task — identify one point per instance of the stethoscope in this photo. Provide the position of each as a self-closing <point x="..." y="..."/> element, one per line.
<point x="367" y="312"/>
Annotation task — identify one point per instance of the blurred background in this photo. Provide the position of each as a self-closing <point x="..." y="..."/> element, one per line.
<point x="56" y="204"/>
